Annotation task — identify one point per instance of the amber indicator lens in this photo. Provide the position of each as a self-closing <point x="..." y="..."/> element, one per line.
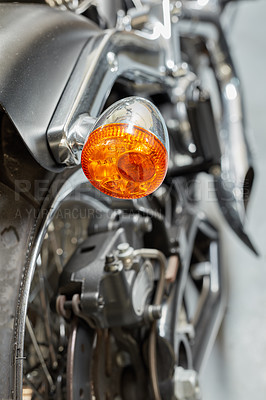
<point x="124" y="161"/>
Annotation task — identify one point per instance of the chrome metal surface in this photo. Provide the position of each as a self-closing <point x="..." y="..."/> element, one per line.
<point x="110" y="55"/>
<point x="139" y="112"/>
<point x="186" y="384"/>
<point x="142" y="287"/>
<point x="78" y="6"/>
<point x="234" y="183"/>
<point x="125" y="254"/>
<point x="213" y="6"/>
<point x="149" y="56"/>
<point x="157" y="255"/>
<point x="73" y="143"/>
<point x="134" y="111"/>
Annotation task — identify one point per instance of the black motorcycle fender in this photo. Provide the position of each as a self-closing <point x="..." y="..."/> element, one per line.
<point x="39" y="48"/>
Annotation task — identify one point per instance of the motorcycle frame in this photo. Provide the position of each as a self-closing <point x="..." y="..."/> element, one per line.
<point x="143" y="62"/>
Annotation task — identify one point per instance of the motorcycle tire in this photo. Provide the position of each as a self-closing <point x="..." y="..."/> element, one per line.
<point x="30" y="198"/>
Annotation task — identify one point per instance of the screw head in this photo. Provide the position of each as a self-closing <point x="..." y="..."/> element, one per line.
<point x="100" y="302"/>
<point x="122" y="247"/>
<point x="112" y="264"/>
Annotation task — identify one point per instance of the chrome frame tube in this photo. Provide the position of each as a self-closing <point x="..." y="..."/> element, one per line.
<point x="107" y="57"/>
<point x="207" y="25"/>
<point x="231" y="183"/>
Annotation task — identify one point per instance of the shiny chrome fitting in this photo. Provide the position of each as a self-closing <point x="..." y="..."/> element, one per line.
<point x="186" y="384"/>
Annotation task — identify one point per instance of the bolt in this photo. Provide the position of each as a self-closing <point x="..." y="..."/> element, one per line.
<point x="153" y="312"/>
<point x="179" y="209"/>
<point x="112" y="61"/>
<point x="111" y="265"/>
<point x="123" y="247"/>
<point x="55" y="364"/>
<point x="125" y="254"/>
<point x="156" y="312"/>
<point x="109" y="258"/>
<point x="101" y="302"/>
<point x="174" y="250"/>
<point x="186" y="384"/>
<point x="122" y="359"/>
<point x="147" y="224"/>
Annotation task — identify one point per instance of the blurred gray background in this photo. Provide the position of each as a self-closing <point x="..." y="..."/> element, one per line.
<point x="236" y="369"/>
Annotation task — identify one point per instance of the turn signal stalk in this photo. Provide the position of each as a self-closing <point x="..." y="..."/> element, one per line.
<point x="126" y="154"/>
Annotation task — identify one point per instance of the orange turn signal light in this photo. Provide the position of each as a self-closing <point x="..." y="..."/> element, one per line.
<point x="124" y="160"/>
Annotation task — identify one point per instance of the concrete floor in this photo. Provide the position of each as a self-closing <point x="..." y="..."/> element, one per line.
<point x="236" y="369"/>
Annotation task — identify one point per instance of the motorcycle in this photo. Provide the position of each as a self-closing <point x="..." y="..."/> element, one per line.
<point x="111" y="280"/>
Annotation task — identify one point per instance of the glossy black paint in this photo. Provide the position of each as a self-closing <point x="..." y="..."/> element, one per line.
<point x="39" y="48"/>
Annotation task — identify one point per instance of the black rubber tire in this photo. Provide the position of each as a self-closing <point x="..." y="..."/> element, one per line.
<point x="16" y="233"/>
<point x="20" y="205"/>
